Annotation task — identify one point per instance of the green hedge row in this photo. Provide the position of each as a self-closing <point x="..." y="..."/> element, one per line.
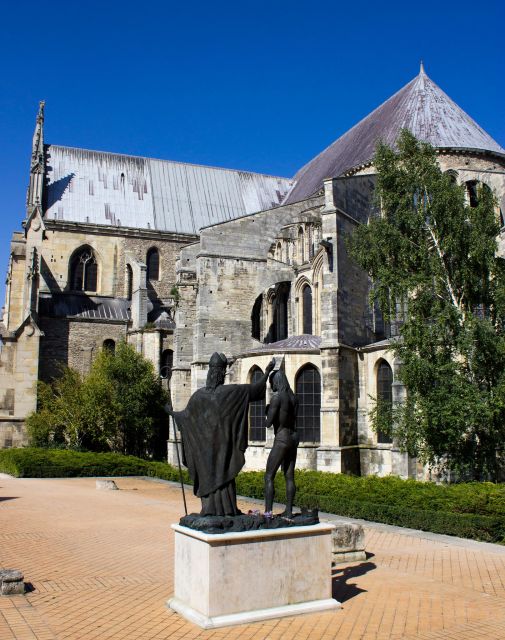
<point x="391" y="500"/>
<point x="477" y="498"/>
<point x="62" y="463"/>
<point x="470" y="510"/>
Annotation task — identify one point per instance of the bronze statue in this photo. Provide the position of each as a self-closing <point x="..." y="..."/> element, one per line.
<point x="214" y="429"/>
<point x="281" y="413"/>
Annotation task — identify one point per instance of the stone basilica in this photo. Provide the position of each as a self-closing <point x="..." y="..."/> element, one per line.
<point x="182" y="260"/>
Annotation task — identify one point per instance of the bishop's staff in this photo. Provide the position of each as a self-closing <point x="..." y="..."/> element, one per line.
<point x="169" y="410"/>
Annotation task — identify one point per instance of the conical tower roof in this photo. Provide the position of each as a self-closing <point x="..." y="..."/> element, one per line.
<point x="420" y="106"/>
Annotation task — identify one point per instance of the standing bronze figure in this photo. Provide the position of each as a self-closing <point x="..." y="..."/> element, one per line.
<point x="281" y="413"/>
<point x="214" y="429"/>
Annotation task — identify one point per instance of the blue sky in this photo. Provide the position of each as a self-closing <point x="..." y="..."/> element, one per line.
<point x="261" y="86"/>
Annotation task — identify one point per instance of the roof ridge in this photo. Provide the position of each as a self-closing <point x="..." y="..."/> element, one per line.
<point x="180" y="162"/>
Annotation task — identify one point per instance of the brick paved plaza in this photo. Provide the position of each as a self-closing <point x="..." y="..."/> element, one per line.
<point x="100" y="567"/>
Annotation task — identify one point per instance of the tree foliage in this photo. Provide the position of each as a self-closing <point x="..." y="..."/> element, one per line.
<point x="117" y="407"/>
<point x="434" y="257"/>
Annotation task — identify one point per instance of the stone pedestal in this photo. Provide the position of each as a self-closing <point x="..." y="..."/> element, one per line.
<point x="237" y="578"/>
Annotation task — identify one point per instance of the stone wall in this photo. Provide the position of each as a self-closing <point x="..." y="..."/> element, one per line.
<point x="74" y="343"/>
<point x="112" y="246"/>
<point x="232" y="269"/>
<point x="12" y="432"/>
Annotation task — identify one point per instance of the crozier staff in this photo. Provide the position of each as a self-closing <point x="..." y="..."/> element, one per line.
<point x="213" y="430"/>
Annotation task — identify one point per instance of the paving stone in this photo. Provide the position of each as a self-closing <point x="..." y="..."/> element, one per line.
<point x="101" y="568"/>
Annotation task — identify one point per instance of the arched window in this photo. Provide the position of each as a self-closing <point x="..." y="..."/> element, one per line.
<point x="307" y="309"/>
<point x="385" y="396"/>
<point x="153" y="264"/>
<point x="308" y="392"/>
<point x="256" y="318"/>
<point x="109" y="345"/>
<point x="129" y="282"/>
<point x="471" y="188"/>
<point x="84" y="270"/>
<point x="166" y="364"/>
<point x="281" y="311"/>
<point x="257" y="430"/>
<point x="278" y="302"/>
<point x="278" y="252"/>
<point x="310" y="234"/>
<point x="301" y="246"/>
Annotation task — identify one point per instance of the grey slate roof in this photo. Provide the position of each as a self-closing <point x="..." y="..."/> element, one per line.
<point x="420" y="106"/>
<point x="297" y="343"/>
<point x="68" y="305"/>
<point x="129" y="191"/>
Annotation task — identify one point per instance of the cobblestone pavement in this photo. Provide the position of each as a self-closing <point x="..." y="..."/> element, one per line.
<point x="99" y="564"/>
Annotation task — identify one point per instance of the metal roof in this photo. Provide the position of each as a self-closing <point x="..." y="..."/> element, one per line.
<point x="129" y="191"/>
<point x="298" y="343"/>
<point x="68" y="305"/>
<point x="420" y="106"/>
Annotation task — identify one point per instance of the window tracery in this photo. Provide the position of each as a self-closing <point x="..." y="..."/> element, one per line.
<point x="308" y="392"/>
<point x="84" y="271"/>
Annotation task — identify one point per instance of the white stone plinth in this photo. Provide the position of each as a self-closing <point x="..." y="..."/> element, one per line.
<point x="234" y="578"/>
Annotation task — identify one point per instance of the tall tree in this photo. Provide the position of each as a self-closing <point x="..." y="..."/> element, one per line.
<point x="433" y="254"/>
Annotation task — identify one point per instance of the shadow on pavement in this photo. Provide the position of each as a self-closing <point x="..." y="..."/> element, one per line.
<point x="8" y="498"/>
<point x="342" y="590"/>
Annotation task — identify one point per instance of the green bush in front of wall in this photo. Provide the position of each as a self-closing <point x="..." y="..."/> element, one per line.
<point x="471" y="510"/>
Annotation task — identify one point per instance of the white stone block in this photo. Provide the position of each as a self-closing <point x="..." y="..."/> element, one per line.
<point x="236" y="578"/>
<point x="108" y="485"/>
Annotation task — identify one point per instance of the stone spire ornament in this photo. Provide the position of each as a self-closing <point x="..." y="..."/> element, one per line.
<point x="37" y="164"/>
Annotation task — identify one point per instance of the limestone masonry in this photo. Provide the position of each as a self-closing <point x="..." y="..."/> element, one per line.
<point x="183" y="260"/>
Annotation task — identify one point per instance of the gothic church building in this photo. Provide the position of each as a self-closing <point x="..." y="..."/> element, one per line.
<point x="182" y="260"/>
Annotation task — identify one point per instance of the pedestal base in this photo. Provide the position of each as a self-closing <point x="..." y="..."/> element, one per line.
<point x="236" y="578"/>
<point x="245" y="617"/>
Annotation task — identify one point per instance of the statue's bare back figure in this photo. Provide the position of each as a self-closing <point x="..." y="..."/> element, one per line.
<point x="281" y="413"/>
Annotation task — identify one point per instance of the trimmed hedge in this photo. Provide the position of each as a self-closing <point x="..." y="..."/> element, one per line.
<point x="470" y="510"/>
<point x="63" y="463"/>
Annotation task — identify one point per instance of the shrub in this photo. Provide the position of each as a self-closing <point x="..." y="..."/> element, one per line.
<point x="117" y="407"/>
<point x="470" y="510"/>
<point x="62" y="463"/>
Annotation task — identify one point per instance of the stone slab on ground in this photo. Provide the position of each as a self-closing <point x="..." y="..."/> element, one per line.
<point x="101" y="568"/>
<point x="107" y="485"/>
<point x="236" y="578"/>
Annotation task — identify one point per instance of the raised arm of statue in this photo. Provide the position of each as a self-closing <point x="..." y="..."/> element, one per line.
<point x="258" y="388"/>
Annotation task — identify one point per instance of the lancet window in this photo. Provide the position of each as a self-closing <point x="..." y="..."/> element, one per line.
<point x="385" y="395"/>
<point x="307" y="309"/>
<point x="84" y="271"/>
<point x="153" y="264"/>
<point x="308" y="392"/>
<point x="129" y="282"/>
<point x="257" y="430"/>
